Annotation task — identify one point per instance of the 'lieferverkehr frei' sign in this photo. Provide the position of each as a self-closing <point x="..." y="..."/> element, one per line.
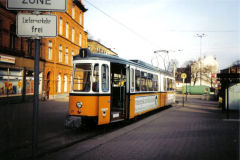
<point x="40" y="5"/>
<point x="30" y="25"/>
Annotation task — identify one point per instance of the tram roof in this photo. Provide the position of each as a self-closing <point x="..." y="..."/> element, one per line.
<point x="116" y="59"/>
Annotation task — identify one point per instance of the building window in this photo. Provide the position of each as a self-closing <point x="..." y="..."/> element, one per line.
<point x="65" y="83"/>
<point x="59" y="83"/>
<point x="72" y="56"/>
<point x="30" y="48"/>
<point x="73" y="34"/>
<point x="60" y="26"/>
<point x="66" y="55"/>
<point x="80" y="18"/>
<point x="1" y="24"/>
<point x="73" y="12"/>
<point x="50" y="50"/>
<point x="60" y="53"/>
<point x="80" y="39"/>
<point x="11" y="81"/>
<point x="13" y="36"/>
<point x="67" y="33"/>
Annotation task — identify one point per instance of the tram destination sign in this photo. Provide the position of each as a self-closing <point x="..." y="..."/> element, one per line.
<point x="38" y="5"/>
<point x="39" y="25"/>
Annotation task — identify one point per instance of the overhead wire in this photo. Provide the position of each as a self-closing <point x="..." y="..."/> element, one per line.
<point x="122" y="24"/>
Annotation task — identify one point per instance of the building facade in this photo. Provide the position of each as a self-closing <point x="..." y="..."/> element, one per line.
<point x="17" y="54"/>
<point x="97" y="47"/>
<point x="203" y="72"/>
<point x="16" y="58"/>
<point x="58" y="52"/>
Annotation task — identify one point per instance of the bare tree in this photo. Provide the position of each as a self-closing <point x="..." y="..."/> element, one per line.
<point x="173" y="64"/>
<point x="188" y="63"/>
<point x="195" y="72"/>
<point x="235" y="63"/>
<point x="208" y="74"/>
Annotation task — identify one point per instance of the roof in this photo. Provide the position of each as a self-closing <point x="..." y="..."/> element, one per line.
<point x="80" y="5"/>
<point x="91" y="40"/>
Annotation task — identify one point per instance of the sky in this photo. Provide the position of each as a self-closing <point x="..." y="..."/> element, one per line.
<point x="134" y="29"/>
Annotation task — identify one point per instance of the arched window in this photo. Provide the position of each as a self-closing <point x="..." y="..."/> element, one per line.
<point x="59" y="83"/>
<point x="66" y="55"/>
<point x="65" y="83"/>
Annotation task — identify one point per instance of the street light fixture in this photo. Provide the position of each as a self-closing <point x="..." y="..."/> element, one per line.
<point x="200" y="60"/>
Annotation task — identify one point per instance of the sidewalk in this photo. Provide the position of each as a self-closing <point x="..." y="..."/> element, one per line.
<point x="16" y="126"/>
<point x="197" y="118"/>
<point x="197" y="131"/>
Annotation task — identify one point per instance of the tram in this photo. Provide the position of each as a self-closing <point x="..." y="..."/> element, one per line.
<point x="107" y="89"/>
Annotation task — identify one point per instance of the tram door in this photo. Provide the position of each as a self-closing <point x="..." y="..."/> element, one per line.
<point x="118" y="92"/>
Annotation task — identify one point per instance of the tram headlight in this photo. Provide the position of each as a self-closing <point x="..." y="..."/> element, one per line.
<point x="79" y="105"/>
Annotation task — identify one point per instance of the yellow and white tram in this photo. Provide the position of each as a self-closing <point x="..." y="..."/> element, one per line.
<point x="107" y="89"/>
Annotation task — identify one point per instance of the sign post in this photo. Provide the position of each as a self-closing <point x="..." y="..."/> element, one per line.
<point x="183" y="76"/>
<point x="36" y="97"/>
<point x="36" y="26"/>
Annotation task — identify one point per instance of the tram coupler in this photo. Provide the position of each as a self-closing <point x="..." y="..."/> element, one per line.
<point x="73" y="122"/>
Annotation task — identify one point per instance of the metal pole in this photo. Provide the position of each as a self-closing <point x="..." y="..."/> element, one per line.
<point x="227" y="101"/>
<point x="183" y="92"/>
<point x="186" y="92"/>
<point x="200" y="61"/>
<point x="35" y="103"/>
<point x="201" y="36"/>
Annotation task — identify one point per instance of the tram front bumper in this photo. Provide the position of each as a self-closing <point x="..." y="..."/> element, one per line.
<point x="73" y="122"/>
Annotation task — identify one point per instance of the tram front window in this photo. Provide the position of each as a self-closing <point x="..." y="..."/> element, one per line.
<point x="81" y="79"/>
<point x="95" y="85"/>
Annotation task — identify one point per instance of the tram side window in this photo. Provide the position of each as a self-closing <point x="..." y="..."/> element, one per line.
<point x="81" y="79"/>
<point x="143" y="81"/>
<point x="155" y="82"/>
<point x="95" y="85"/>
<point x="170" y="84"/>
<point x="132" y="79"/>
<point x="150" y="82"/>
<point x="105" y="78"/>
<point x="164" y="84"/>
<point x="137" y="80"/>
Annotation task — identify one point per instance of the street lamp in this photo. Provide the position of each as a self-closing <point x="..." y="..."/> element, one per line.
<point x="201" y="36"/>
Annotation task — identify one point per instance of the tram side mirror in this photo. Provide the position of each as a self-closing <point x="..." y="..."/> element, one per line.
<point x="84" y="52"/>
